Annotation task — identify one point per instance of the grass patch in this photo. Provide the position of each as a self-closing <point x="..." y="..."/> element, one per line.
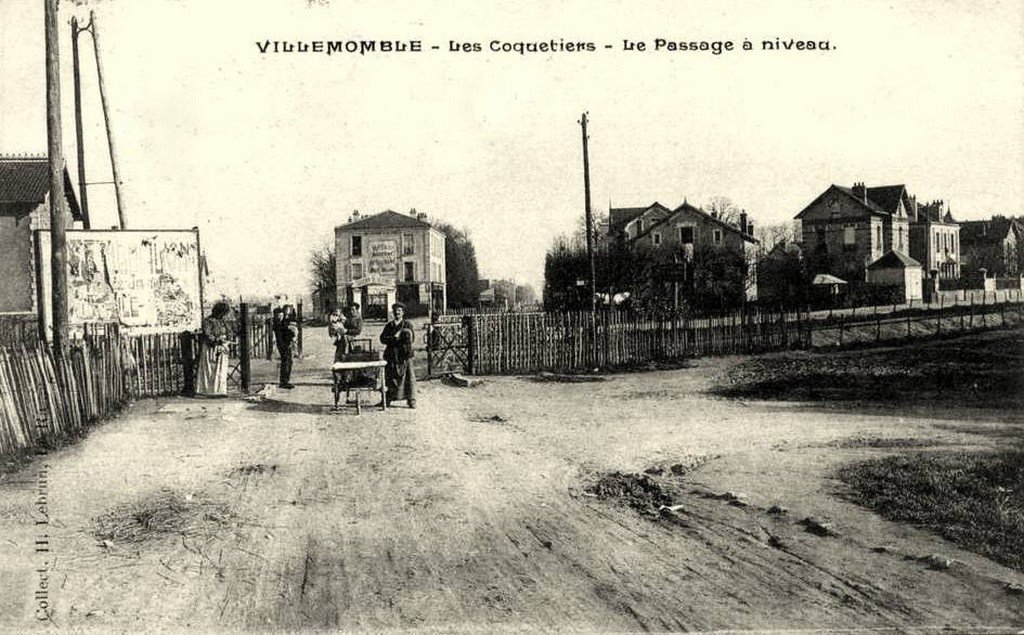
<point x="974" y="499"/>
<point x="983" y="370"/>
<point x="160" y="514"/>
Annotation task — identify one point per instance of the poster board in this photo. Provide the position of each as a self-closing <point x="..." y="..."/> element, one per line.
<point x="148" y="281"/>
<point x="383" y="259"/>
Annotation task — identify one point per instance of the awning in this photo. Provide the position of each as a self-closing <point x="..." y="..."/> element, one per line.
<point x="825" y="278"/>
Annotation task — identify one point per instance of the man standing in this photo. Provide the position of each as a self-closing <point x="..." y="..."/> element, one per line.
<point x="286" y="330"/>
<point x="398" y="338"/>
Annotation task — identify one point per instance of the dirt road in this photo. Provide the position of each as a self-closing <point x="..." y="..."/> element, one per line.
<point x="472" y="512"/>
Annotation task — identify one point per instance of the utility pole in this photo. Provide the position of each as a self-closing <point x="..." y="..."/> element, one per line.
<point x="589" y="216"/>
<point x="58" y="221"/>
<point x="80" y="145"/>
<point x="106" y="119"/>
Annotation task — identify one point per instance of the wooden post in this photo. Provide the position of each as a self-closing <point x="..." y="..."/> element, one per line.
<point x="588" y="216"/>
<point x="244" y="348"/>
<point x="268" y="329"/>
<point x="298" y="318"/>
<point x="55" y="156"/>
<point x="83" y="195"/>
<point x="471" y="353"/>
<point x="188" y="363"/>
<point x="106" y="120"/>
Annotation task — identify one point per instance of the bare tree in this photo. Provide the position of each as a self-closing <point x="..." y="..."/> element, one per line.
<point x="771" y="235"/>
<point x="722" y="208"/>
<point x="323" y="271"/>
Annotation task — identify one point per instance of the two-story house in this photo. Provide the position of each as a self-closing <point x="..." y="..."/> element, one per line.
<point x="389" y="257"/>
<point x="684" y="230"/>
<point x="845" y="229"/>
<point x="935" y="239"/>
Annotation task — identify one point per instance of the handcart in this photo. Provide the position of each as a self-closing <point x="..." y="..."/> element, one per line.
<point x="359" y="370"/>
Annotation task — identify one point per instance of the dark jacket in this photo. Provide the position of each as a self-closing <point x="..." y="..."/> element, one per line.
<point x="398" y="340"/>
<point x="353" y="325"/>
<point x="284" y="332"/>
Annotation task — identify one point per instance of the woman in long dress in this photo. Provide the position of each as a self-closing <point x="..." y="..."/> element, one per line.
<point x="212" y="374"/>
<point x="398" y="338"/>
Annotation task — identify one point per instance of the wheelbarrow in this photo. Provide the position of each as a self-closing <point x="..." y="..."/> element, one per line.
<point x="360" y="369"/>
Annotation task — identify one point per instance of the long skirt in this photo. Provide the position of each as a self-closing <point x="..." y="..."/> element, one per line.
<point x="401" y="381"/>
<point x="212" y="374"/>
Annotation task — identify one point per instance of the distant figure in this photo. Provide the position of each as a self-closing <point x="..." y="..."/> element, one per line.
<point x="212" y="374"/>
<point x="286" y="330"/>
<point x="398" y="338"/>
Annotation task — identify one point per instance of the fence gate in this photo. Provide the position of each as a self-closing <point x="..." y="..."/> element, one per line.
<point x="447" y="348"/>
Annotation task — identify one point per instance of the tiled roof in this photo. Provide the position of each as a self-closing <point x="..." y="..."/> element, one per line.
<point x="619" y="217"/>
<point x="387" y="220"/>
<point x="869" y="204"/>
<point x="994" y="230"/>
<point x="887" y="197"/>
<point x="894" y="260"/>
<point x="27" y="180"/>
<point x="696" y="210"/>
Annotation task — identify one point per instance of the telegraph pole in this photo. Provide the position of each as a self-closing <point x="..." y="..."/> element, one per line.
<point x="58" y="220"/>
<point x="589" y="216"/>
<point x="80" y="144"/>
<point x="106" y="119"/>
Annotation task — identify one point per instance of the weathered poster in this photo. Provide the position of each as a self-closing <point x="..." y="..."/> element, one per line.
<point x="383" y="261"/>
<point x="147" y="281"/>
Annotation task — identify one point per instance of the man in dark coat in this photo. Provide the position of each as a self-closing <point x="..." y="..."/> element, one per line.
<point x="286" y="329"/>
<point x="398" y="338"/>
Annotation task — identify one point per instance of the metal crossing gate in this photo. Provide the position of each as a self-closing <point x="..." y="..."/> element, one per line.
<point x="447" y="348"/>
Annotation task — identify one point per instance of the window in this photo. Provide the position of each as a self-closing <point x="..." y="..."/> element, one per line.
<point x="717" y="236"/>
<point x="900" y="243"/>
<point x="410" y="271"/>
<point x="357" y="245"/>
<point x="639" y="227"/>
<point x="878" y="236"/>
<point x="408" y="246"/>
<point x="686" y="235"/>
<point x="656" y="237"/>
<point x="357" y="270"/>
<point x="850" y="235"/>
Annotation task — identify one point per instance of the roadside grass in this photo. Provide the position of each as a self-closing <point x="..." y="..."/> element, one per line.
<point x="984" y="370"/>
<point x="973" y="499"/>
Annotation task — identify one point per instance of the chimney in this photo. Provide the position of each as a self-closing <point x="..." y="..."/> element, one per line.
<point x="860" y="191"/>
<point x="750" y="229"/>
<point x="914" y="210"/>
<point x="412" y="212"/>
<point x="743" y="221"/>
<point x="421" y="216"/>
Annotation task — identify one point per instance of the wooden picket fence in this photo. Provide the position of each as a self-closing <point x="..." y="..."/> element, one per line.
<point x="511" y="343"/>
<point x="44" y="396"/>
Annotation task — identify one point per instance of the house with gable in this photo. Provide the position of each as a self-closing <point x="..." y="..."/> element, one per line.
<point x="684" y="230"/>
<point x="996" y="245"/>
<point x="25" y="208"/>
<point x="845" y="229"/>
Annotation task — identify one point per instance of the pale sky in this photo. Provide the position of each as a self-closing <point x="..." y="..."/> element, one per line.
<point x="267" y="153"/>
